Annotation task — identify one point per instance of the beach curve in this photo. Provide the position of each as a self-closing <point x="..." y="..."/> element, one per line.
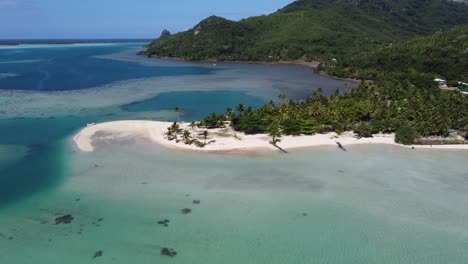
<point x="222" y="140"/>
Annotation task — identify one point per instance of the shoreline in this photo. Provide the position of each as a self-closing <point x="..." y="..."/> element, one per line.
<point x="310" y="64"/>
<point x="223" y="140"/>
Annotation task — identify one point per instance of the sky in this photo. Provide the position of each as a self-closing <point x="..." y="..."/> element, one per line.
<point x="62" y="19"/>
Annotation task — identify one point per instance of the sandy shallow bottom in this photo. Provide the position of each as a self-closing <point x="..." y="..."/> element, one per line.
<point x="371" y="204"/>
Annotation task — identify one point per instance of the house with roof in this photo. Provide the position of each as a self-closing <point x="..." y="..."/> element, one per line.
<point x="442" y="83"/>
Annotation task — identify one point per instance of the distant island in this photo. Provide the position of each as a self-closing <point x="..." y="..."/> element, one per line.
<point x="15" y="42"/>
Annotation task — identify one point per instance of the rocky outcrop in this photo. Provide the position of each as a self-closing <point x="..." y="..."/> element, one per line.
<point x="165" y="33"/>
<point x="186" y="211"/>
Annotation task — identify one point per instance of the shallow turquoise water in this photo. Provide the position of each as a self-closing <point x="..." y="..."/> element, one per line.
<point x="252" y="208"/>
<point x="374" y="204"/>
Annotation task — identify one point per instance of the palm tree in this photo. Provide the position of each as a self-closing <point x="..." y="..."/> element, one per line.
<point x="230" y="116"/>
<point x="205" y="135"/>
<point x="274" y="132"/>
<point x="177" y="110"/>
<point x="229" y="113"/>
<point x="240" y="108"/>
<point x="175" y="127"/>
<point x="186" y="137"/>
<point x="193" y="124"/>
<point x="169" y="134"/>
<point x="282" y="98"/>
<point x="172" y="131"/>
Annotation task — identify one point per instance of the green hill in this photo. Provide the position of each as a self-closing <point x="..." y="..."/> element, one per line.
<point x="442" y="55"/>
<point x="312" y="29"/>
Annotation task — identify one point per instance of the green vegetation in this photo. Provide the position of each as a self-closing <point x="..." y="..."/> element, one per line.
<point x="406" y="134"/>
<point x="371" y="40"/>
<point x="187" y="137"/>
<point x="214" y="121"/>
<point x="205" y="135"/>
<point x="442" y="55"/>
<point x="174" y="131"/>
<point x="383" y="106"/>
<point x="312" y="30"/>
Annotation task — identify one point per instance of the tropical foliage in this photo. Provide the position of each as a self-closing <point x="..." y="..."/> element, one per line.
<point x="383" y="106"/>
<point x="442" y="55"/>
<point x="312" y="30"/>
<point x="406" y="134"/>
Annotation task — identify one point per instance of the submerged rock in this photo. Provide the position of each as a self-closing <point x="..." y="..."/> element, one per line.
<point x="164" y="222"/>
<point x="6" y="237"/>
<point x="98" y="254"/>
<point x="65" y="219"/>
<point x="196" y="202"/>
<point x="186" y="211"/>
<point x="168" y="252"/>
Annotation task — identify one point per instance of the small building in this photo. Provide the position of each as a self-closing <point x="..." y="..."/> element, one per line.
<point x="463" y="86"/>
<point x="441" y="82"/>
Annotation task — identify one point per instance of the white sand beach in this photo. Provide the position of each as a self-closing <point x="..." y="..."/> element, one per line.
<point x="222" y="140"/>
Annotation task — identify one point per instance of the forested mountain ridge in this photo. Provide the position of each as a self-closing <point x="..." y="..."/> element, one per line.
<point x="312" y="29"/>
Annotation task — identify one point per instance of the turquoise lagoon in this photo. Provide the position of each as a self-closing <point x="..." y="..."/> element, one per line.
<point x="373" y="204"/>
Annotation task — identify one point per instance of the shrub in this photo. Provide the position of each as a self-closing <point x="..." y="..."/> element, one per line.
<point x="363" y="129"/>
<point x="377" y="126"/>
<point x="406" y="135"/>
